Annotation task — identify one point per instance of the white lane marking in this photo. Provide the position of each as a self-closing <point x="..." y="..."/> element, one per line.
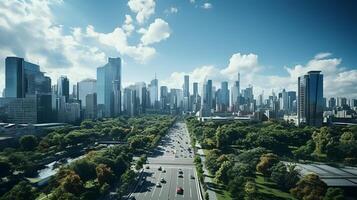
<point x="155" y="185"/>
<point x="189" y="183"/>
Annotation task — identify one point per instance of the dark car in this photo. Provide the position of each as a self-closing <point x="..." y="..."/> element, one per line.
<point x="179" y="190"/>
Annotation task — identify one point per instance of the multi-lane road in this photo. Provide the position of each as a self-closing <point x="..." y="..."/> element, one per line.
<point x="172" y="155"/>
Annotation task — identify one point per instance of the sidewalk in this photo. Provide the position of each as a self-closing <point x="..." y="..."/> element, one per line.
<point x="207" y="180"/>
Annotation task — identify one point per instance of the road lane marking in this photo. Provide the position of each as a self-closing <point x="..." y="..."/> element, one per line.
<point x="189" y="183"/>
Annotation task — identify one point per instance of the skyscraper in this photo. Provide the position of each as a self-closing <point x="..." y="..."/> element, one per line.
<point x="310" y="99"/>
<point x="63" y="87"/>
<point x="109" y="88"/>
<point x="223" y="97"/>
<point x="235" y="95"/>
<point x="85" y="87"/>
<point x="206" y="104"/>
<point x="186" y="86"/>
<point x="154" y="90"/>
<point x="195" y="89"/>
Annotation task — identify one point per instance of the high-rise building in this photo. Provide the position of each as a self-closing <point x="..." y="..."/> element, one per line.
<point x="63" y="87"/>
<point x="310" y="99"/>
<point x="223" y="97"/>
<point x="85" y="87"/>
<point x="154" y="92"/>
<point x="284" y="101"/>
<point x="291" y="100"/>
<point x="235" y="90"/>
<point x="186" y="86"/>
<point x="130" y="101"/>
<point x="207" y="99"/>
<point x="91" y="106"/>
<point x="195" y="89"/>
<point x="331" y="103"/>
<point x="25" y="80"/>
<point x="109" y="88"/>
<point x="164" y="98"/>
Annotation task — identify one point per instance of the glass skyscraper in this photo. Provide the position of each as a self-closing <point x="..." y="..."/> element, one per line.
<point x="310" y="99"/>
<point x="109" y="88"/>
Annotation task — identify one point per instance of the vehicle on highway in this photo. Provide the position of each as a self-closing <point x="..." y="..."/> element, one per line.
<point x="160" y="168"/>
<point x="147" y="167"/>
<point x="179" y="190"/>
<point x="164" y="171"/>
<point x="180" y="171"/>
<point x="192" y="177"/>
<point x="162" y="180"/>
<point x="180" y="176"/>
<point x="158" y="184"/>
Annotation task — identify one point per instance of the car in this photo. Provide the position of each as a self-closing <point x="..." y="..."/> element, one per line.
<point x="158" y="184"/>
<point x="192" y="177"/>
<point x="179" y="190"/>
<point x="164" y="171"/>
<point x="160" y="168"/>
<point x="147" y="167"/>
<point x="180" y="176"/>
<point x="180" y="171"/>
<point x="162" y="180"/>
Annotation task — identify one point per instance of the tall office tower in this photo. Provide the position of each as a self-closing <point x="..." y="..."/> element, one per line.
<point x="284" y="101"/>
<point x="154" y="92"/>
<point x="224" y="97"/>
<point x="91" y="106"/>
<point x="75" y="91"/>
<point x="195" y="89"/>
<point x="85" y="87"/>
<point x="25" y="80"/>
<point x="164" y="98"/>
<point x="116" y="98"/>
<point x="130" y="101"/>
<point x="310" y="99"/>
<point x="291" y="99"/>
<point x="195" y="100"/>
<point x="341" y="101"/>
<point x="186" y="86"/>
<point x="63" y="87"/>
<point x="235" y="90"/>
<point x="260" y="102"/>
<point x="109" y="88"/>
<point x="206" y="105"/>
<point x="331" y="103"/>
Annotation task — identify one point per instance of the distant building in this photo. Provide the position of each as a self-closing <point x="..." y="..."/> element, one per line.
<point x="19" y="110"/>
<point x="130" y="101"/>
<point x="207" y="99"/>
<point x="331" y="103"/>
<point x="154" y="93"/>
<point x="91" y="106"/>
<point x="235" y="90"/>
<point x="310" y="99"/>
<point x="85" y="87"/>
<point x="109" y="88"/>
<point x="63" y="87"/>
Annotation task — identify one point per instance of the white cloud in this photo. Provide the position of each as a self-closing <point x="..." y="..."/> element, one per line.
<point x="192" y="1"/>
<point x="158" y="30"/>
<point x="322" y="55"/>
<point x="338" y="81"/>
<point x="143" y="9"/>
<point x="207" y="6"/>
<point x="171" y="10"/>
<point x="28" y="29"/>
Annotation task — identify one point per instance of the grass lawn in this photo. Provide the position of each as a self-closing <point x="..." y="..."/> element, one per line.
<point x="269" y="189"/>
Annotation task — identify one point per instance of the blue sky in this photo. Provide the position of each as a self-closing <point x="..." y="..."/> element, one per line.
<point x="269" y="42"/>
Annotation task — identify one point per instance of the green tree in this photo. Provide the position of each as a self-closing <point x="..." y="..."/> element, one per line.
<point x="104" y="174"/>
<point x="212" y="160"/>
<point x="334" y="194"/>
<point x="322" y="138"/>
<point x="5" y="169"/>
<point x="251" y="191"/>
<point x="222" y="173"/>
<point x="28" y="142"/>
<point x="348" y="138"/>
<point x="84" y="168"/>
<point x="72" y="183"/>
<point x="267" y="161"/>
<point x="285" y="177"/>
<point x="310" y="187"/>
<point x="21" y="191"/>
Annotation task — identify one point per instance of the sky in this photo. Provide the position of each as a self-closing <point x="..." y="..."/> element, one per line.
<point x="270" y="43"/>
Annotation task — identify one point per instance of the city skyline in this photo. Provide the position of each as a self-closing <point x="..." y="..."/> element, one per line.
<point x="87" y="44"/>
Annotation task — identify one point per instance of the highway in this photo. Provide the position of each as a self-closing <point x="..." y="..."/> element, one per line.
<point x="172" y="155"/>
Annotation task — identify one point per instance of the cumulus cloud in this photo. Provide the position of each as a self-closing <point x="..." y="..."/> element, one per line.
<point x="338" y="81"/>
<point x="207" y="6"/>
<point x="158" y="30"/>
<point x="28" y="29"/>
<point x="143" y="9"/>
